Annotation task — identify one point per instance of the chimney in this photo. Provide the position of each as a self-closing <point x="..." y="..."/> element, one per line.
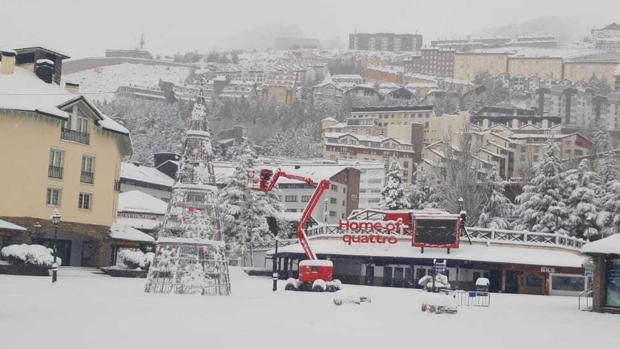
<point x="7" y="66"/>
<point x="44" y="69"/>
<point x="72" y="87"/>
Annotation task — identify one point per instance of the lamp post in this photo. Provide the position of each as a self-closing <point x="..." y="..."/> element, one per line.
<point x="275" y="263"/>
<point x="55" y="217"/>
<point x="460" y="201"/>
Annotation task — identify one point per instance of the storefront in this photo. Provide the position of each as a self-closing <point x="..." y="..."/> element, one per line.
<point x="605" y="255"/>
<point x="511" y="268"/>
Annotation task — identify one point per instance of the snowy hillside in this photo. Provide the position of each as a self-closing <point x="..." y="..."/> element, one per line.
<point x="109" y="78"/>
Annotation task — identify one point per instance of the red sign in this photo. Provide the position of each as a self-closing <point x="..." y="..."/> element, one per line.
<point x="386" y="226"/>
<point x="368" y="239"/>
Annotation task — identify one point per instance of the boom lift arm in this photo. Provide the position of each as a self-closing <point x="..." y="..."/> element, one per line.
<point x="268" y="181"/>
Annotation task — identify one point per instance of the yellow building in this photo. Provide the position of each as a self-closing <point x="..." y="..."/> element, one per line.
<point x="542" y="67"/>
<point x="58" y="152"/>
<point x="468" y="65"/>
<point x="583" y="71"/>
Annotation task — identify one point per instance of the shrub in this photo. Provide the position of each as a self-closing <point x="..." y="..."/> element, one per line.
<point x="29" y="255"/>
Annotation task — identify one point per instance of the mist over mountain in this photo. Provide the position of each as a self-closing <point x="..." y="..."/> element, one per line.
<point x="259" y="37"/>
<point x="569" y="28"/>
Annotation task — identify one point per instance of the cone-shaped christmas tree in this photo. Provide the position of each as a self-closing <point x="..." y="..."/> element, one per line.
<point x="190" y="256"/>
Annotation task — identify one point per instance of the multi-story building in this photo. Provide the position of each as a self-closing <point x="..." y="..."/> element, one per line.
<point x="61" y="153"/>
<point x="513" y="118"/>
<point x="281" y="87"/>
<point x="149" y="180"/>
<point x="542" y="67"/>
<point x="577" y="71"/>
<point x="432" y="61"/>
<point x="385" y="42"/>
<point x="608" y="37"/>
<point x="296" y="43"/>
<point x="472" y="43"/>
<point x="349" y="146"/>
<point x="468" y="65"/>
<point x="385" y="73"/>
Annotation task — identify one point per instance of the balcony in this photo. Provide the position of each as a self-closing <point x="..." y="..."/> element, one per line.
<point x="117" y="185"/>
<point x="54" y="172"/>
<point x="87" y="177"/>
<point x="75" y="136"/>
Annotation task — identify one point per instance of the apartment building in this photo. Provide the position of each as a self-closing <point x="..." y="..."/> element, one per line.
<point x="432" y="61"/>
<point x="385" y="42"/>
<point x="60" y="153"/>
<point x="349" y="146"/>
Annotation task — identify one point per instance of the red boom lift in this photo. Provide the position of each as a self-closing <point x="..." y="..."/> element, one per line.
<point x="314" y="274"/>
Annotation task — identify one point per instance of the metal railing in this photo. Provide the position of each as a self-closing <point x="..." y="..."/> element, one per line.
<point x="482" y="235"/>
<point x="87" y="177"/>
<point x="54" y="172"/>
<point x="584" y="300"/>
<point x="75" y="136"/>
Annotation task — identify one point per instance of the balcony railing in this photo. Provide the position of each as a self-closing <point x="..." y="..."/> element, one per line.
<point x="87" y="177"/>
<point x="75" y="136"/>
<point x="117" y="185"/>
<point x="54" y="172"/>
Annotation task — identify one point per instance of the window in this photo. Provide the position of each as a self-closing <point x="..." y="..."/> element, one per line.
<point x="290" y="198"/>
<point x="344" y="190"/>
<point x="85" y="201"/>
<point x="53" y="196"/>
<point x="334" y="187"/>
<point x="57" y="158"/>
<point x="332" y="213"/>
<point x="82" y="124"/>
<point x="405" y="164"/>
<point x="88" y="169"/>
<point x="568" y="283"/>
<point x="305" y="198"/>
<point x="332" y="200"/>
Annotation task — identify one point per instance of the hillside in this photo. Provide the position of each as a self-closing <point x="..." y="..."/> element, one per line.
<point x="101" y="82"/>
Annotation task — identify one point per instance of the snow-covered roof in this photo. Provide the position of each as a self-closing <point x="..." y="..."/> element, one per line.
<point x="189" y="241"/>
<point x="10" y="226"/>
<point x="525" y="255"/>
<point x="139" y="223"/>
<point x="364" y="138"/>
<point x="145" y="174"/>
<point x="120" y="231"/>
<point x="608" y="245"/>
<point x="24" y="91"/>
<point x="137" y="201"/>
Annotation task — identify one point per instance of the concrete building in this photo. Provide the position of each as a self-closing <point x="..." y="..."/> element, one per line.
<point x="468" y="65"/>
<point x="385" y="42"/>
<point x="608" y="37"/>
<point x="542" y="67"/>
<point x="348" y="146"/>
<point x="584" y="71"/>
<point x="432" y="61"/>
<point x="61" y="153"/>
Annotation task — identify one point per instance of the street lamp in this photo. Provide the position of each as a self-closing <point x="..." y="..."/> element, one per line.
<point x="275" y="267"/>
<point x="460" y="201"/>
<point x="55" y="217"/>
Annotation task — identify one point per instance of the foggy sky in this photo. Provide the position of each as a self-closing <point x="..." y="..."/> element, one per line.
<point x="87" y="28"/>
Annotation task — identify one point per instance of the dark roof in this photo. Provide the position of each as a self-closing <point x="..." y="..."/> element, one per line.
<point x="392" y="108"/>
<point x="613" y="26"/>
<point x="39" y="48"/>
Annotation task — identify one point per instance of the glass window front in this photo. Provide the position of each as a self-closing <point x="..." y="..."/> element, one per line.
<point x="568" y="283"/>
<point x="613" y="283"/>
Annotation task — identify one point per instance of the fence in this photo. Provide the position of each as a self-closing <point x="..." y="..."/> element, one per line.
<point x="482" y="235"/>
<point x="473" y="298"/>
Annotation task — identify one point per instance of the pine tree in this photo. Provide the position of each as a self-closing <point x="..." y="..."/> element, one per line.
<point x="423" y="192"/>
<point x="583" y="203"/>
<point x="393" y="192"/>
<point x="498" y="207"/>
<point x="608" y="218"/>
<point x="540" y="205"/>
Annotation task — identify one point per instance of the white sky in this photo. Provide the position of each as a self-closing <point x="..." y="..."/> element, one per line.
<point x="87" y="28"/>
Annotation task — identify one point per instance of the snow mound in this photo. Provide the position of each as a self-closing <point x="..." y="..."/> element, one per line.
<point x="36" y="255"/>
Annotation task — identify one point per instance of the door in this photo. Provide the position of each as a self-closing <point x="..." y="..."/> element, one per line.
<point x="399" y="277"/>
<point x="495" y="280"/>
<point x="63" y="248"/>
<point x="387" y="276"/>
<point x="512" y="281"/>
<point x="369" y="278"/>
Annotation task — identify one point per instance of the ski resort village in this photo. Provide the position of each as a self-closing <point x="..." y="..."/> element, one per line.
<point x="423" y="186"/>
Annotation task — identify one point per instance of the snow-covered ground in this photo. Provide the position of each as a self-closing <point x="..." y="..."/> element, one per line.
<point x="109" y="78"/>
<point x="95" y="311"/>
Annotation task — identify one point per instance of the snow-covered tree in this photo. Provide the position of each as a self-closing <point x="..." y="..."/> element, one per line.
<point x="601" y="140"/>
<point x="540" y="205"/>
<point x="498" y="207"/>
<point x="393" y="192"/>
<point x="424" y="192"/>
<point x="583" y="202"/>
<point x="608" y="219"/>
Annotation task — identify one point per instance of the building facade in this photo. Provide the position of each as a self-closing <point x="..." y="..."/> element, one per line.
<point x="385" y="42"/>
<point x="64" y="154"/>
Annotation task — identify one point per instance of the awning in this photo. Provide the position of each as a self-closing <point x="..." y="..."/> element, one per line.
<point x="608" y="245"/>
<point x="124" y="232"/>
<point x="10" y="226"/>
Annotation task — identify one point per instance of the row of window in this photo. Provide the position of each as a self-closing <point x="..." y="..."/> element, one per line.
<point x="54" y="195"/>
<point x="56" y="166"/>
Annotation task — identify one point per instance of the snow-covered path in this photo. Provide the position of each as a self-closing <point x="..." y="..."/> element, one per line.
<point x="95" y="311"/>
